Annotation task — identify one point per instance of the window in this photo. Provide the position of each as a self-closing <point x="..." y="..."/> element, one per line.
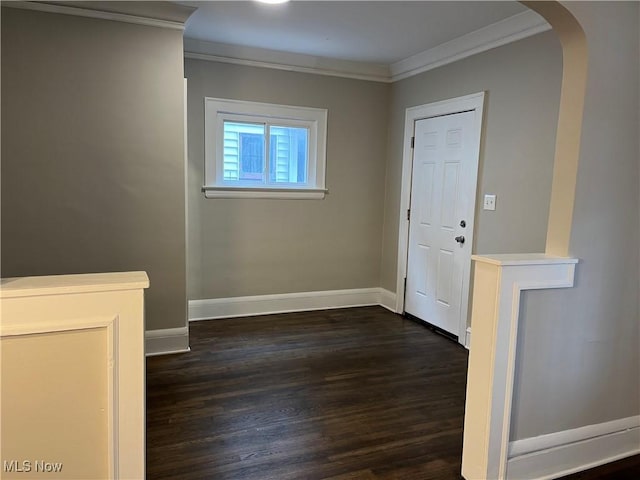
<point x="262" y="150"/>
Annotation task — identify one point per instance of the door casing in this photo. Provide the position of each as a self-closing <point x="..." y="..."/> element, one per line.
<point x="473" y="102"/>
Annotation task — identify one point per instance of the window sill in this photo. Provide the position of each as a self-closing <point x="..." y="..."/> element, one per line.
<point x="275" y="193"/>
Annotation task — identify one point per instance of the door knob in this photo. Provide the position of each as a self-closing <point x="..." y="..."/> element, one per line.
<point x="459" y="239"/>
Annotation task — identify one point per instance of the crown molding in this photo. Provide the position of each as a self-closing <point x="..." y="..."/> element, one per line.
<point x="278" y="60"/>
<point x="509" y="30"/>
<point x="153" y="14"/>
<point x="173" y="16"/>
<point x="517" y="27"/>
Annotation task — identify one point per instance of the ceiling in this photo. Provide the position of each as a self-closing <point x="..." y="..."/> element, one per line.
<point x="375" y="32"/>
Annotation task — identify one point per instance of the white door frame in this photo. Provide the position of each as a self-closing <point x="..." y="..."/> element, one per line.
<point x="466" y="103"/>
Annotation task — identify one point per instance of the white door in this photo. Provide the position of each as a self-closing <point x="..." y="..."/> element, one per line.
<point x="443" y="187"/>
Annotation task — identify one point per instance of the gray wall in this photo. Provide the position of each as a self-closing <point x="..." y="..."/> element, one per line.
<point x="92" y="153"/>
<point x="578" y="357"/>
<point x="243" y="247"/>
<point x="92" y="180"/>
<point x="522" y="81"/>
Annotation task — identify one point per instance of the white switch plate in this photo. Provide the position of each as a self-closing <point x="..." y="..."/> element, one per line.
<point x="489" y="202"/>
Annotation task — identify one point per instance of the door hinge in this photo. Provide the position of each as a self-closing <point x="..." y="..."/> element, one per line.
<point x="413" y="141"/>
<point x="408" y="214"/>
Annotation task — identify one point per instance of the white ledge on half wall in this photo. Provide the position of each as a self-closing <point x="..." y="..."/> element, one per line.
<point x="516" y="259"/>
<point x="498" y="283"/>
<point x="70" y="284"/>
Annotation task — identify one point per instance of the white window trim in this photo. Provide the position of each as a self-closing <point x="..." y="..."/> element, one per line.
<point x="217" y="110"/>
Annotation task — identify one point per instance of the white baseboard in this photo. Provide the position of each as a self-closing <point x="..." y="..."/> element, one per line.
<point x="467" y="338"/>
<point x="165" y="341"/>
<point x="209" y="309"/>
<point x="562" y="453"/>
<point x="387" y="299"/>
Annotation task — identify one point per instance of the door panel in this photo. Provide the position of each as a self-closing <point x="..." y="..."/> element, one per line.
<point x="426" y="185"/>
<point x="441" y="188"/>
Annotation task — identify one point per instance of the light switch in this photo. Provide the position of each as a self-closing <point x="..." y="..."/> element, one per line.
<point x="489" y="202"/>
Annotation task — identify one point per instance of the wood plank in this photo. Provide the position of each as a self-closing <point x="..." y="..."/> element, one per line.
<point x="357" y="393"/>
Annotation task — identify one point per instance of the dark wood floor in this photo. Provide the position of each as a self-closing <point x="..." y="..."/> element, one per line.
<point x="341" y="394"/>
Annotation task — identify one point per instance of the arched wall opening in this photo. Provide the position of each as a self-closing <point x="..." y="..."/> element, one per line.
<point x="572" y="96"/>
<point x="575" y="399"/>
